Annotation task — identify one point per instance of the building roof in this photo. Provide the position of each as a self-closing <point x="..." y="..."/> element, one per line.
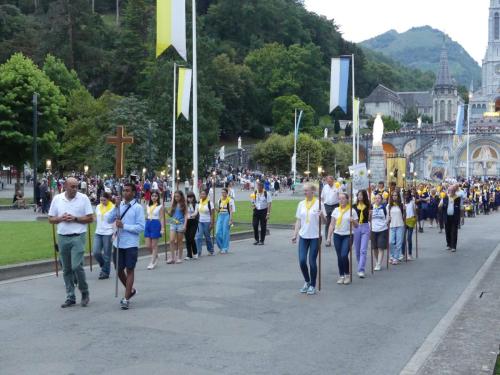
<point x="443" y="77"/>
<point x="382" y="94"/>
<point x="416" y="99"/>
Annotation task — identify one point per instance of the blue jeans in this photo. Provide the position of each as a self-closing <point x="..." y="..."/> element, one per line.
<point x="308" y="245"/>
<point x="102" y="251"/>
<point x="409" y="238"/>
<point x="204" y="231"/>
<point x="222" y="234"/>
<point x="341" y="243"/>
<point x="396" y="241"/>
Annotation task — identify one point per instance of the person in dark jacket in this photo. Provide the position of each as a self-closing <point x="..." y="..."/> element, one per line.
<point x="451" y="206"/>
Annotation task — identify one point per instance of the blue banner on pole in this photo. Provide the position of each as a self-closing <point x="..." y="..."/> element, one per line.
<point x="459" y="127"/>
<point x="339" y="83"/>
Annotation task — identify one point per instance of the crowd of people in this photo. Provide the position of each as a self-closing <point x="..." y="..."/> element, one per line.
<point x="382" y="218"/>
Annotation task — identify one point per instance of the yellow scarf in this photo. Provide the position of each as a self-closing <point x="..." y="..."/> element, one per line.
<point x="151" y="209"/>
<point x="309" y="205"/>
<point x="342" y="211"/>
<point x="361" y="207"/>
<point x="104" y="209"/>
<point x="203" y="205"/>
<point x="224" y="203"/>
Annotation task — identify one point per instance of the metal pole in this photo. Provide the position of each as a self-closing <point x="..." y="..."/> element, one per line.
<point x="173" y="130"/>
<point x="295" y="147"/>
<point x="117" y="249"/>
<point x="195" y="106"/>
<point x="35" y="145"/>
<point x="149" y="148"/>
<point x="353" y="127"/>
<point x="468" y="138"/>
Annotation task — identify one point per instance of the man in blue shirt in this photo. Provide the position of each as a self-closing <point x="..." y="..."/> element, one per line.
<point x="128" y="217"/>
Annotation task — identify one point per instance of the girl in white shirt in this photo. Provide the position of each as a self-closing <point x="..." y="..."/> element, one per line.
<point x="307" y="228"/>
<point x="379" y="234"/>
<point x="410" y="221"/>
<point x="103" y="235"/>
<point x="342" y="218"/>
<point x="397" y="227"/>
<point x="155" y="227"/>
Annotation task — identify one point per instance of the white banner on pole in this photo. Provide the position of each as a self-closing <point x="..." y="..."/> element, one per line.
<point x="359" y="175"/>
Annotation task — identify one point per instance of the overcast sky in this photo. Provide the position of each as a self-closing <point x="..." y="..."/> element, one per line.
<point x="464" y="21"/>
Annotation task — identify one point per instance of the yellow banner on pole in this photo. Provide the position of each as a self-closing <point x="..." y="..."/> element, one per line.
<point x="171" y="26"/>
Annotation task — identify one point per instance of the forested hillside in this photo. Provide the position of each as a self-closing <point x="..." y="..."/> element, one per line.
<point x="257" y="61"/>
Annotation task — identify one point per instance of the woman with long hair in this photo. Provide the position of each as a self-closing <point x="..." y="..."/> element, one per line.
<point x="178" y="214"/>
<point x="206" y="223"/>
<point x="342" y="218"/>
<point x="224" y="222"/>
<point x="410" y="221"/>
<point x="397" y="227"/>
<point x="362" y="231"/>
<point x="433" y="208"/>
<point x="379" y="234"/>
<point x="103" y="237"/>
<point x="191" y="227"/>
<point x="155" y="227"/>
<point x="307" y="228"/>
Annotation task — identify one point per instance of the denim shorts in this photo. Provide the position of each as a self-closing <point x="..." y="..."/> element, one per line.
<point x="127" y="258"/>
<point x="178" y="228"/>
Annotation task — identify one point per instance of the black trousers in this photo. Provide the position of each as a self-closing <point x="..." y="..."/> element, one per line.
<point x="329" y="209"/>
<point x="259" y="217"/>
<point x="451" y="228"/>
<point x="191" y="228"/>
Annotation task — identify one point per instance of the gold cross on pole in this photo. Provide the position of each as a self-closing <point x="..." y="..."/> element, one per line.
<point x="119" y="140"/>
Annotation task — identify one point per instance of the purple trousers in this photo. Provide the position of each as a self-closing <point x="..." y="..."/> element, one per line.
<point x="361" y="238"/>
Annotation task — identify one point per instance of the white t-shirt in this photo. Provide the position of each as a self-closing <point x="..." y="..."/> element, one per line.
<point x="262" y="201"/>
<point x="154" y="186"/>
<point x="396" y="217"/>
<point x="410" y="209"/>
<point x="345" y="226"/>
<point x="330" y="195"/>
<point x="308" y="228"/>
<point x="204" y="211"/>
<point x="102" y="226"/>
<point x="379" y="219"/>
<point x="78" y="206"/>
<point x="153" y="214"/>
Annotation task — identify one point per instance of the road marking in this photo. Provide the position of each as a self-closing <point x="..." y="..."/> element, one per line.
<point x="436" y="336"/>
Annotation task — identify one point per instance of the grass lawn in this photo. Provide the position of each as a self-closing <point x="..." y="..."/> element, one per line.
<point x="27" y="241"/>
<point x="8" y="201"/>
<point x="497" y="367"/>
<point x="282" y="212"/>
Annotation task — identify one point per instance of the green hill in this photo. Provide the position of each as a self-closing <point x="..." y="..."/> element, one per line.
<point x="420" y="48"/>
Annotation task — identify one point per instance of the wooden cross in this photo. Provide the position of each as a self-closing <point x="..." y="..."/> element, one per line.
<point x="119" y="140"/>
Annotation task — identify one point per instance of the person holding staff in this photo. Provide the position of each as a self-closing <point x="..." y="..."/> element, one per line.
<point x="205" y="224"/>
<point x="72" y="211"/>
<point x="103" y="237"/>
<point x="178" y="213"/>
<point x="330" y="198"/>
<point x="410" y="222"/>
<point x="362" y="231"/>
<point x="397" y="227"/>
<point x="340" y="227"/>
<point x="306" y="228"/>
<point x="224" y="222"/>
<point x="379" y="233"/>
<point x="261" y="204"/>
<point x="128" y="216"/>
<point x="191" y="226"/>
<point x="155" y="227"/>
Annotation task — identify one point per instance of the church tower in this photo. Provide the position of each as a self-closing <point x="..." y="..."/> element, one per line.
<point x="491" y="61"/>
<point x="444" y="95"/>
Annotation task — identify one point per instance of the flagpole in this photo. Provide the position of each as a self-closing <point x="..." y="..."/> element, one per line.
<point x="174" y="110"/>
<point x="353" y="125"/>
<point x="195" y="105"/>
<point x="468" y="134"/>
<point x="294" y="161"/>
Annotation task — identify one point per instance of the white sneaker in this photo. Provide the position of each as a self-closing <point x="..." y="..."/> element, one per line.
<point x="410" y="257"/>
<point x="340" y="280"/>
<point x="361" y="275"/>
<point x="311" y="290"/>
<point x="187" y="258"/>
<point x="347" y="279"/>
<point x="377" y="267"/>
<point x="195" y="256"/>
<point x="305" y="288"/>
<point x="150" y="266"/>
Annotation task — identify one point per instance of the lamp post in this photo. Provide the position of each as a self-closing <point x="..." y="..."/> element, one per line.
<point x="85" y="171"/>
<point x="48" y="168"/>
<point x="404" y="181"/>
<point x="178" y="179"/>
<point x="295" y="136"/>
<point x="414" y="179"/>
<point x="468" y="135"/>
<point x="144" y="174"/>
<point x="369" y="184"/>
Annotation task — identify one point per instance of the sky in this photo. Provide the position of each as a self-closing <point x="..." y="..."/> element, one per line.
<point x="465" y="21"/>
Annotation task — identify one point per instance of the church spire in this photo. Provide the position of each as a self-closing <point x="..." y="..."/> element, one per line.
<point x="443" y="76"/>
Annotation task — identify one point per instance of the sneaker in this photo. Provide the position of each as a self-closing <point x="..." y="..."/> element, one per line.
<point x="124" y="304"/>
<point x="178" y="261"/>
<point x="195" y="256"/>
<point x="211" y="254"/>
<point x="256" y="243"/>
<point x="410" y="257"/>
<point x="311" y="290"/>
<point x="453" y="250"/>
<point x="377" y="267"/>
<point x="187" y="258"/>
<point x="395" y="262"/>
<point x="448" y="248"/>
<point x="304" y="288"/>
<point x="150" y="266"/>
<point x="68" y="303"/>
<point x="361" y="275"/>
<point x="103" y="276"/>
<point x="401" y="258"/>
<point x="347" y="279"/>
<point x="340" y="280"/>
<point x="170" y="261"/>
<point x="85" y="299"/>
<point x="261" y="243"/>
<point x="420" y="230"/>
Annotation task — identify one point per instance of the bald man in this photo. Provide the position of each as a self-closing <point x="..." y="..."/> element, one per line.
<point x="72" y="211"/>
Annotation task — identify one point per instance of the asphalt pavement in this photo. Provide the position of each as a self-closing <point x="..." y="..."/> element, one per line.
<point x="241" y="313"/>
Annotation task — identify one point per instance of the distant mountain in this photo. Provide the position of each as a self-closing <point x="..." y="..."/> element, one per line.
<point x="420" y="48"/>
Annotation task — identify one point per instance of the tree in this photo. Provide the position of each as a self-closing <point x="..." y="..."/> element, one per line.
<point x="273" y="154"/>
<point x="390" y="124"/>
<point x="19" y="80"/>
<point x="283" y="114"/>
<point x="411" y="115"/>
<point x="67" y="80"/>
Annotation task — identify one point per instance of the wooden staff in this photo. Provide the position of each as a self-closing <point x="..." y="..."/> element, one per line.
<point x="350" y="233"/>
<point x="213" y="226"/>
<point x="319" y="232"/>
<point x="90" y="246"/>
<point x="389" y="226"/>
<point x="416" y="233"/>
<point x="370" y="212"/>
<point x="117" y="249"/>
<point x="56" y="249"/>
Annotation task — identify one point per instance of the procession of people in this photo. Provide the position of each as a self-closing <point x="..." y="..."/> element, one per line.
<point x="372" y="226"/>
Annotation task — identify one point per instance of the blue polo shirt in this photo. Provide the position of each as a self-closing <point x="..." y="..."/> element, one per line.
<point x="133" y="224"/>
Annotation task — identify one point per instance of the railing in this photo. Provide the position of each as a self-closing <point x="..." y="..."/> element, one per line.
<point x="422" y="149"/>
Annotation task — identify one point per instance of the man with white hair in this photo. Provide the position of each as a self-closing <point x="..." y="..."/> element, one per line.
<point x="451" y="206"/>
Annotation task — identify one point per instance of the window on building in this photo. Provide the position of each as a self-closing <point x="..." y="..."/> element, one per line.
<point x="449" y="110"/>
<point x="497" y="26"/>
<point x="442" y="112"/>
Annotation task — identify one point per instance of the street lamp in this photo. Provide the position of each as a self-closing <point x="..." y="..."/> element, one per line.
<point x="85" y="169"/>
<point x="404" y="181"/>
<point x="48" y="164"/>
<point x="178" y="179"/>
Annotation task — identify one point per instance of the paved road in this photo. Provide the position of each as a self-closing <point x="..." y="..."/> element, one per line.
<point x="242" y="314"/>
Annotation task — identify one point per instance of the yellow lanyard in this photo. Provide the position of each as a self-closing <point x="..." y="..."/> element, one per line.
<point x="361" y="208"/>
<point x="309" y="205"/>
<point x="203" y="206"/>
<point x="151" y="209"/>
<point x="104" y="209"/>
<point x="342" y="211"/>
<point x="224" y="203"/>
